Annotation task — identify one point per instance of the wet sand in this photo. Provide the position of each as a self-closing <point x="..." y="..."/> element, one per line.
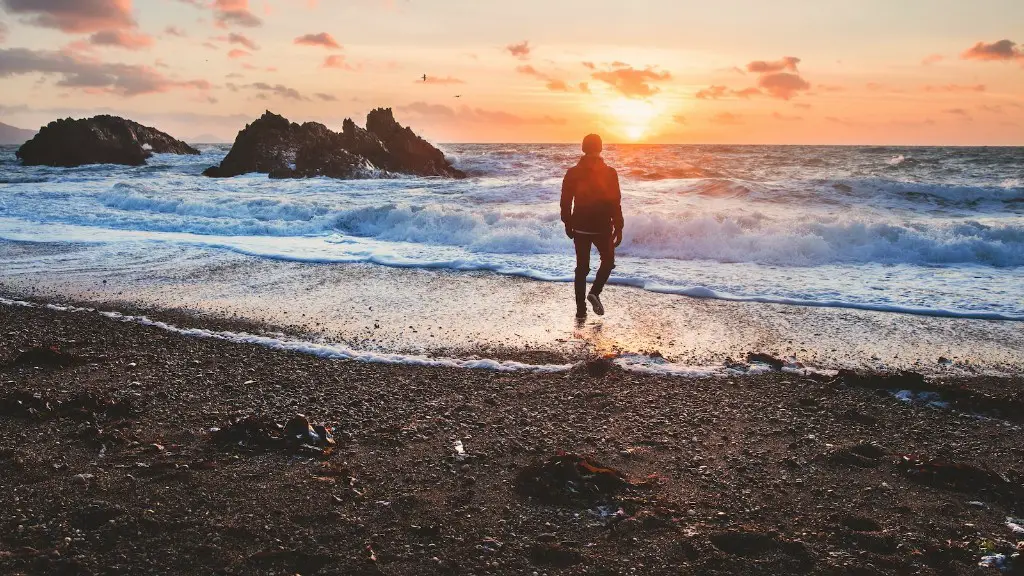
<point x="459" y="314"/>
<point x="110" y="465"/>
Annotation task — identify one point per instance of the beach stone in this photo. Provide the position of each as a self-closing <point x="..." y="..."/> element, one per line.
<point x="98" y="140"/>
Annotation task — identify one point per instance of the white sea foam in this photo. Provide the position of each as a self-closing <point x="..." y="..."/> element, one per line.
<point x="630" y="362"/>
<point x="940" y="233"/>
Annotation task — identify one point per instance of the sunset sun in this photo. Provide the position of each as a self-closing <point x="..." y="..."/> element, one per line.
<point x="632" y="117"/>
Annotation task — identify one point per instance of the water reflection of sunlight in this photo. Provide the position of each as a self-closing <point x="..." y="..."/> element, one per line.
<point x="594" y="337"/>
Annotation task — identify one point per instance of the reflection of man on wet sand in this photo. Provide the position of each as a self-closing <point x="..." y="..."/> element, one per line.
<point x="592" y="213"/>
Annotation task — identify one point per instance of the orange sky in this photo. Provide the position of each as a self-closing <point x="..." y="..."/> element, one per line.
<point x="731" y="71"/>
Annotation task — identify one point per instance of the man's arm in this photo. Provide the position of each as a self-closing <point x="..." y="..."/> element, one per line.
<point x="568" y="190"/>
<point x="617" y="220"/>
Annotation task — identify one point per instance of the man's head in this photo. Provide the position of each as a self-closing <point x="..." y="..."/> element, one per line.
<point x="592" y="144"/>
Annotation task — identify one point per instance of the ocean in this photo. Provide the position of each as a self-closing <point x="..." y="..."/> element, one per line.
<point x="927" y="231"/>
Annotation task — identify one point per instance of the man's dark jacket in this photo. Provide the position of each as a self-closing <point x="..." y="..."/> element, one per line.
<point x="591" y="199"/>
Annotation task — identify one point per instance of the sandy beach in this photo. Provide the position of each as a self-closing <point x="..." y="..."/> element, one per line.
<point x="120" y="456"/>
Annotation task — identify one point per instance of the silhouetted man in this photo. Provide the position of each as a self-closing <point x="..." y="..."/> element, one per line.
<point x="592" y="213"/>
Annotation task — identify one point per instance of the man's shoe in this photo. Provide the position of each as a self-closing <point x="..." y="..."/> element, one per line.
<point x="595" y="301"/>
<point x="581" y="313"/>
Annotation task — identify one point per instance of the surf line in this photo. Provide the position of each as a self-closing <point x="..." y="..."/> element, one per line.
<point x="629" y="362"/>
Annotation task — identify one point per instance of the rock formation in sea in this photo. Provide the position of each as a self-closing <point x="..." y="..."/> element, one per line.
<point x="98" y="140"/>
<point x="273" y="145"/>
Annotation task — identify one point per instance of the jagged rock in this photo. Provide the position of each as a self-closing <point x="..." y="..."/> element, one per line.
<point x="283" y="149"/>
<point x="98" y="140"/>
<point x="408" y="152"/>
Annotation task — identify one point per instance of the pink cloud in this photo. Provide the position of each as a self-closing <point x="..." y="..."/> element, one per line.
<point x="91" y="75"/>
<point x="932" y="59"/>
<point x="74" y="16"/>
<point x="239" y="39"/>
<point x="831" y="88"/>
<point x="521" y="50"/>
<point x="726" y="118"/>
<point x="322" y="39"/>
<point x="550" y="82"/>
<point x="1001" y="50"/>
<point x="785" y="118"/>
<point x="121" y="39"/>
<point x="712" y="93"/>
<point x="783" y="84"/>
<point x="234" y="13"/>
<point x="338" y="62"/>
<point x="476" y="115"/>
<point x="955" y="88"/>
<point x="3" y="32"/>
<point x="236" y="53"/>
<point x="175" y="31"/>
<point x="763" y="67"/>
<point x="632" y="82"/>
<point x="588" y="65"/>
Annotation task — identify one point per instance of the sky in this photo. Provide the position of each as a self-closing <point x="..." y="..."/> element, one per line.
<point x="937" y="72"/>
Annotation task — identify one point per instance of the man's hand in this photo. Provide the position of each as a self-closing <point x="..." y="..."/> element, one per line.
<point x="617" y="237"/>
<point x="568" y="230"/>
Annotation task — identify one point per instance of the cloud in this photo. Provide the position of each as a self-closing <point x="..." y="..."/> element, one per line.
<point x="842" y="121"/>
<point x="322" y="39"/>
<point x="121" y="39"/>
<point x="803" y="105"/>
<point x="726" y="118"/>
<point x="337" y="61"/>
<point x="763" y="67"/>
<point x="955" y="88"/>
<point x="175" y="31"/>
<point x="679" y="119"/>
<point x="589" y="65"/>
<point x="76" y="16"/>
<point x="932" y="59"/>
<point x="783" y="84"/>
<point x="1001" y="50"/>
<point x="785" y="118"/>
<point x="442" y="81"/>
<point x="326" y="97"/>
<point x="712" y="93"/>
<point x="831" y="88"/>
<point x="236" y="53"/>
<point x="277" y="90"/>
<point x="550" y="82"/>
<point x="91" y="75"/>
<point x="957" y="112"/>
<point x="718" y="92"/>
<point x="631" y="82"/>
<point x="234" y="13"/>
<point x="3" y="32"/>
<point x="239" y="39"/>
<point x="476" y="115"/>
<point x="521" y="50"/>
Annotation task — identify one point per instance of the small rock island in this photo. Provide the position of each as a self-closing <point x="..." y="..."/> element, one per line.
<point x="98" y="140"/>
<point x="272" y="145"/>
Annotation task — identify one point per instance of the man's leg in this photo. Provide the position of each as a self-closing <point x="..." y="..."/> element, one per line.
<point x="606" y="248"/>
<point x="582" y="242"/>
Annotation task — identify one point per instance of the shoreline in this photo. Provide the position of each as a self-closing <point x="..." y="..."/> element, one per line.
<point x="112" y="465"/>
<point x="439" y="313"/>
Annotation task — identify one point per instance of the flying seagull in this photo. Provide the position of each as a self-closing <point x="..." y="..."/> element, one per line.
<point x="458" y="95"/>
<point x="424" y="77"/>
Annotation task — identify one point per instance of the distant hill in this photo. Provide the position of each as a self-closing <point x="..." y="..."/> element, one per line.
<point x="208" y="139"/>
<point x="11" y="135"/>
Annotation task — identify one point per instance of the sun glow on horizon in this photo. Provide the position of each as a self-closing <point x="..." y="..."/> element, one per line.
<point x="632" y="117"/>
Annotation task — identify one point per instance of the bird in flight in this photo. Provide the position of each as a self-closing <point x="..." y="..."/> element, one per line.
<point x="424" y="77"/>
<point x="458" y="95"/>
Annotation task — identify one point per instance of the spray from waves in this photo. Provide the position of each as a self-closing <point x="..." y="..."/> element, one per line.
<point x="700" y="233"/>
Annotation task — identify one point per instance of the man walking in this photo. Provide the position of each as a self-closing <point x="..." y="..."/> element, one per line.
<point x="592" y="213"/>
